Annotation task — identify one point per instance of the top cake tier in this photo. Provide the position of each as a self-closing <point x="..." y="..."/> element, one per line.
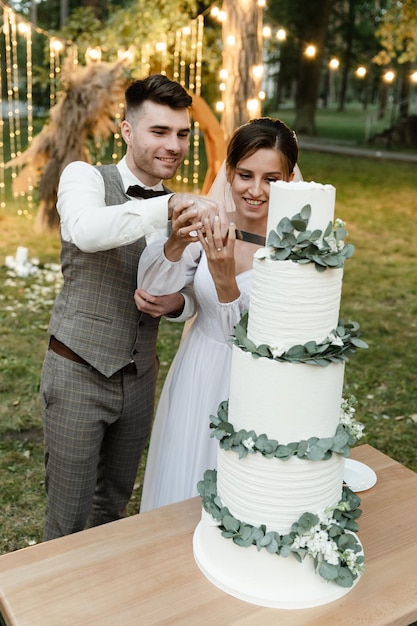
<point x="287" y="199"/>
<point x="293" y="303"/>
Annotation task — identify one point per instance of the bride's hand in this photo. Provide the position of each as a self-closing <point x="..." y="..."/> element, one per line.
<point x="220" y="254"/>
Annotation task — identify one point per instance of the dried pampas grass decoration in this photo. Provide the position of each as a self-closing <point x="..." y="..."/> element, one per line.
<point x="85" y="112"/>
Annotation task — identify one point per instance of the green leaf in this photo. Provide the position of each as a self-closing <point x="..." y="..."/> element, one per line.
<point x="328" y="571"/>
<point x="230" y="523"/>
<point x="264" y="350"/>
<point x="273" y="240"/>
<point x="344" y="578"/>
<point x="306" y="212"/>
<point x="299" y="225"/>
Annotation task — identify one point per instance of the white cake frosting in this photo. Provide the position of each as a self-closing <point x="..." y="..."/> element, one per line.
<point x="287" y="401"/>
<point x="310" y="314"/>
<point x="291" y="304"/>
<point x="275" y="492"/>
<point x="287" y="199"/>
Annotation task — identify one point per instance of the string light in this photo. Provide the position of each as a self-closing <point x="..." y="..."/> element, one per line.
<point x="334" y="63"/>
<point x="55" y="47"/>
<point x="15" y="82"/>
<point x="93" y="55"/>
<point x="257" y="71"/>
<point x="9" y="15"/>
<point x="126" y="55"/>
<point x="117" y="137"/>
<point x="26" y="31"/>
<point x="14" y="26"/>
<point x="361" y="72"/>
<point x="252" y="105"/>
<point x="161" y="48"/>
<point x="389" y="76"/>
<point x="310" y="51"/>
<point x="187" y="67"/>
<point x="2" y="184"/>
<point x="146" y="59"/>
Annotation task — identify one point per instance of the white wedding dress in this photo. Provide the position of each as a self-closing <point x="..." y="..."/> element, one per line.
<point x="181" y="448"/>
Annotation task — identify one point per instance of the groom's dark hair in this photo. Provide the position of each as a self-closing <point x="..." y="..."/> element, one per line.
<point x="159" y="89"/>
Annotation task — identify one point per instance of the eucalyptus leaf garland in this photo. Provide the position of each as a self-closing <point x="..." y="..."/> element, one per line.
<point x="245" y="442"/>
<point x="342" y="342"/>
<point x="329" y="539"/>
<point x="292" y="241"/>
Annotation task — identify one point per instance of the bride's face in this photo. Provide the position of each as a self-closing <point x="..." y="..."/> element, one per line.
<point x="250" y="187"/>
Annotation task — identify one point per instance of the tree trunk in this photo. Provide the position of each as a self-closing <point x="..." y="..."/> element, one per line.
<point x="315" y="25"/>
<point x="349" y="38"/>
<point x="244" y="23"/>
<point x="404" y="90"/>
<point x="63" y="12"/>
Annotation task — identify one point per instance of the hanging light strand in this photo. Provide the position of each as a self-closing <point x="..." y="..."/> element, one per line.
<point x="2" y="184"/>
<point x="26" y="31"/>
<point x="55" y="47"/>
<point x="177" y="52"/>
<point x="9" y="88"/>
<point x="197" y="90"/>
<point x="15" y="84"/>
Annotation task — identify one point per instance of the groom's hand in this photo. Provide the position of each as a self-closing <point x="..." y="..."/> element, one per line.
<point x="156" y="306"/>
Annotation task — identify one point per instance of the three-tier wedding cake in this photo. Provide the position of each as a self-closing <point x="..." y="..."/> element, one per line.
<point x="278" y="525"/>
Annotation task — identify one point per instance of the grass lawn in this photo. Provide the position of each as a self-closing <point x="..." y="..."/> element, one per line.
<point x="377" y="199"/>
<point x="353" y="126"/>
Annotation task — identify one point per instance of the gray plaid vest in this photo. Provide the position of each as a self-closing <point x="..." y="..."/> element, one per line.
<point x="95" y="314"/>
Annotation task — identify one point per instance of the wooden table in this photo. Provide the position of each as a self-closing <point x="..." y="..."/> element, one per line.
<point x="141" y="570"/>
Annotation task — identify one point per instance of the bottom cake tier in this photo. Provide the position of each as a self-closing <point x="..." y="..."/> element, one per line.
<point x="258" y="577"/>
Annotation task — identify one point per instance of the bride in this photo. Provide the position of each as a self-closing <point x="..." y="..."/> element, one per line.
<point x="219" y="270"/>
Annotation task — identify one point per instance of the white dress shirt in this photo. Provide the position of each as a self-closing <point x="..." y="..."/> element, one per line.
<point x="92" y="226"/>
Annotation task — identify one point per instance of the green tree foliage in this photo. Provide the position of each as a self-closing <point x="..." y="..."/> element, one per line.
<point x="397" y="32"/>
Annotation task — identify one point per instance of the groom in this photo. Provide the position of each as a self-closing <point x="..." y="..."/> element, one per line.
<point x="99" y="373"/>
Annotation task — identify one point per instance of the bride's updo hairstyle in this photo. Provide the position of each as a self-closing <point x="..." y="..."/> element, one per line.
<point x="263" y="132"/>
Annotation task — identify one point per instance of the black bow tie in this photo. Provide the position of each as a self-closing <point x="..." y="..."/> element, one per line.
<point x="136" y="191"/>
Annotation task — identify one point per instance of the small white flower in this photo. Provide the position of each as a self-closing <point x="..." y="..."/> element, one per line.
<point x="335" y="340"/>
<point x="248" y="443"/>
<point x="330" y="553"/>
<point x="347" y="411"/>
<point x="277" y="351"/>
<point x="333" y="244"/>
